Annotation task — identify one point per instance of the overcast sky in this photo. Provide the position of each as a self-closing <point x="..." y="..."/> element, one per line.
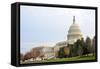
<point x="49" y="25"/>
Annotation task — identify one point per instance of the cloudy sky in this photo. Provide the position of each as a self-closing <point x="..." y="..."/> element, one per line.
<point x="49" y="25"/>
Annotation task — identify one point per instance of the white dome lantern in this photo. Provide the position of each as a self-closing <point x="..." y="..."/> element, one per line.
<point x="74" y="32"/>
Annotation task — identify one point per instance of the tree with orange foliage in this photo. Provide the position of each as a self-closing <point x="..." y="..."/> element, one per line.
<point x="66" y="51"/>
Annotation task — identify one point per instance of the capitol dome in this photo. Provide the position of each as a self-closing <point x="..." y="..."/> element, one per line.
<point x="74" y="32"/>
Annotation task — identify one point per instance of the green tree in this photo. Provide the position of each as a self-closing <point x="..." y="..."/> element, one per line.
<point x="93" y="45"/>
<point x="79" y="47"/>
<point x="88" y="44"/>
<point x="61" y="52"/>
<point x="84" y="48"/>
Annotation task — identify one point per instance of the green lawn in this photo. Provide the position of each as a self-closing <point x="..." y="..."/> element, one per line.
<point x="78" y="58"/>
<point x="72" y="59"/>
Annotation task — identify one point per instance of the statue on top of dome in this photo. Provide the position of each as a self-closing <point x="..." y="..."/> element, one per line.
<point x="73" y="19"/>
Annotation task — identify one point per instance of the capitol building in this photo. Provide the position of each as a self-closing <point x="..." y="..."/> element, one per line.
<point x="74" y="33"/>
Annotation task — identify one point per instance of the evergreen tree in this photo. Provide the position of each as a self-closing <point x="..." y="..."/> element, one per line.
<point x="88" y="45"/>
<point x="93" y="45"/>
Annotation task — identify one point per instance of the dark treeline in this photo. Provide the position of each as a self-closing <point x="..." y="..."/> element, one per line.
<point x="79" y="48"/>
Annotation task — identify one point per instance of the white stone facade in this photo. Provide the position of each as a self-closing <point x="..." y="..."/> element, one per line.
<point x="48" y="52"/>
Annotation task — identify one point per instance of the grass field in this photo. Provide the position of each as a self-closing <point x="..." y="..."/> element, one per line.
<point x="72" y="59"/>
<point x="77" y="58"/>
